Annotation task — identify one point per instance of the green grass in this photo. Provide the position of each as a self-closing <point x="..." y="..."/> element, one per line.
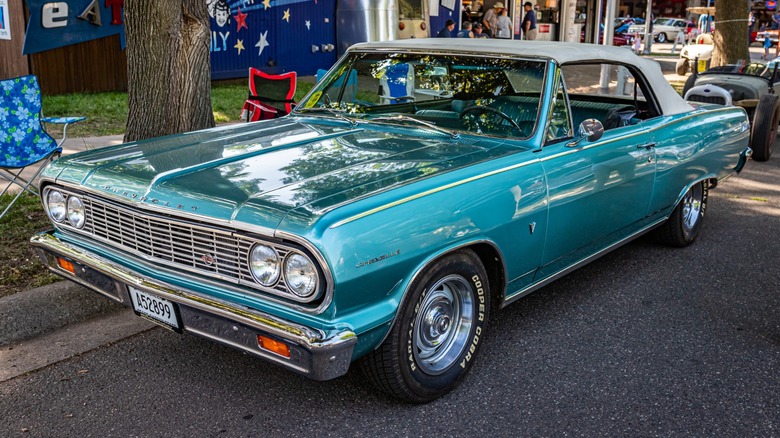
<point x="107" y="112"/>
<point x="20" y="268"/>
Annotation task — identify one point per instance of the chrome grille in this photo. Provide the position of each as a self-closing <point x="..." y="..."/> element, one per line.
<point x="207" y="250"/>
<point x="213" y="252"/>
<point x="707" y="99"/>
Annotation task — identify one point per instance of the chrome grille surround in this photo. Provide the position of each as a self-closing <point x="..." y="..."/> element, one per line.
<point x="707" y="99"/>
<point x="209" y="251"/>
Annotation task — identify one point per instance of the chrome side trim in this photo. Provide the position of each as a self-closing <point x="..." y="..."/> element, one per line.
<point x="429" y="192"/>
<point x="328" y="352"/>
<point x="535" y="286"/>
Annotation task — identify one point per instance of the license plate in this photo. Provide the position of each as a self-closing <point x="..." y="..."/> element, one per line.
<point x="155" y="308"/>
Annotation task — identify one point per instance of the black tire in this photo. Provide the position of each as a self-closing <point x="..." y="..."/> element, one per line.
<point x="689" y="83"/>
<point x="661" y="37"/>
<point x="764" y="129"/>
<point x="431" y="347"/>
<point x="681" y="68"/>
<point x="684" y="225"/>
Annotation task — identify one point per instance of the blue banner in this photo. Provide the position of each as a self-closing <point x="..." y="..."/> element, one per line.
<point x="56" y="24"/>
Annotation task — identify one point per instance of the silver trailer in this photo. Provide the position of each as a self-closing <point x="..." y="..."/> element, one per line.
<point x="360" y="21"/>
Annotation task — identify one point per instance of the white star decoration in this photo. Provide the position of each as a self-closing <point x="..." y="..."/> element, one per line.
<point x="308" y="24"/>
<point x="263" y="43"/>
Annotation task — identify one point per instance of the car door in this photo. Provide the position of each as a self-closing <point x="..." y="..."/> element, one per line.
<point x="599" y="191"/>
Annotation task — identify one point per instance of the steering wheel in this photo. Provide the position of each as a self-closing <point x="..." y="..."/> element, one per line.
<point x="758" y="68"/>
<point x="473" y="122"/>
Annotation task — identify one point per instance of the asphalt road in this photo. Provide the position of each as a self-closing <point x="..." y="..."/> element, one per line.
<point x="647" y="341"/>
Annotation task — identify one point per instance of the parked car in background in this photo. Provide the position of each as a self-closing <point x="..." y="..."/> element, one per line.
<point x="417" y="189"/>
<point x="699" y="51"/>
<point x="622" y="24"/>
<point x="664" y="29"/>
<point x="773" y="36"/>
<point x="618" y="39"/>
<point x="753" y="87"/>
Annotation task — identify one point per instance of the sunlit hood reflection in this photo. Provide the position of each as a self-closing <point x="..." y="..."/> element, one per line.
<point x="264" y="170"/>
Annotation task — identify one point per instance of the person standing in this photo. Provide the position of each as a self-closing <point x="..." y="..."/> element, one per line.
<point x="504" y="25"/>
<point x="478" y="31"/>
<point x="529" y="22"/>
<point x="449" y="26"/>
<point x="466" y="31"/>
<point x="490" y="19"/>
<point x="767" y="44"/>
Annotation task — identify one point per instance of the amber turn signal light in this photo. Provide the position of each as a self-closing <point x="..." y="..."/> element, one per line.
<point x="273" y="346"/>
<point x="66" y="265"/>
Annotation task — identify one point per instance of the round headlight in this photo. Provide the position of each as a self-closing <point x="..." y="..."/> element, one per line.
<point x="264" y="264"/>
<point x="76" y="212"/>
<point x="300" y="275"/>
<point x="57" y="208"/>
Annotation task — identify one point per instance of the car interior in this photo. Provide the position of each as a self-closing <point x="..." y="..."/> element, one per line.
<point x="491" y="96"/>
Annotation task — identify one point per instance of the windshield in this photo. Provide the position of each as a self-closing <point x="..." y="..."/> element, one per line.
<point x="459" y="93"/>
<point x="664" y="21"/>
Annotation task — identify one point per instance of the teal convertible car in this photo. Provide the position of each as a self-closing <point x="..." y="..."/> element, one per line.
<point x="418" y="189"/>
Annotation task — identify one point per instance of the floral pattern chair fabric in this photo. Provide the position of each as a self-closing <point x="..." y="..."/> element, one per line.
<point x="23" y="138"/>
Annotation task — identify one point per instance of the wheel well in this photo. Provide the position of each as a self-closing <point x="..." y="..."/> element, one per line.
<point x="491" y="260"/>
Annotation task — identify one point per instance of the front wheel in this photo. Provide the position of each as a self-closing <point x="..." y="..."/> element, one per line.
<point x="437" y="333"/>
<point x="662" y="37"/>
<point x="684" y="225"/>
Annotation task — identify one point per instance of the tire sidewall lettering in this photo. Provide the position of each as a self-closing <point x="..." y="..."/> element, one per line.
<point x="464" y="360"/>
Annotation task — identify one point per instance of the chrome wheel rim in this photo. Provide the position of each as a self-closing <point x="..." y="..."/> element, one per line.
<point x="443" y="323"/>
<point x="691" y="208"/>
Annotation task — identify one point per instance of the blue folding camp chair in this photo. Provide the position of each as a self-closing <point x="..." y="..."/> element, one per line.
<point x="23" y="138"/>
<point x="398" y="84"/>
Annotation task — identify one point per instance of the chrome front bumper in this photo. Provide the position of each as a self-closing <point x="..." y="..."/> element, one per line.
<point x="317" y="354"/>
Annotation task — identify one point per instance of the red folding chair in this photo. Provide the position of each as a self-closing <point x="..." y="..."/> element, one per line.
<point x="270" y="96"/>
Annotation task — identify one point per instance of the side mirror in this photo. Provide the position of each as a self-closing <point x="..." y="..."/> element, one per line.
<point x="590" y="129"/>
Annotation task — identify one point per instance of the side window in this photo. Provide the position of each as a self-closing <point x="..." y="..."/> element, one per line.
<point x="560" y="120"/>
<point x="610" y="93"/>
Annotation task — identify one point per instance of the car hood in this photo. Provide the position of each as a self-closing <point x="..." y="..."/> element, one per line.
<point x="256" y="173"/>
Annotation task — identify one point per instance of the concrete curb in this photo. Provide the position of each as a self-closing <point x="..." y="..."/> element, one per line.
<point x="34" y="312"/>
<point x="69" y="341"/>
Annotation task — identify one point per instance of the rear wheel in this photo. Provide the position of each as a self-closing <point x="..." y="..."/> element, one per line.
<point x="434" y="339"/>
<point x="765" y="120"/>
<point x="684" y="225"/>
<point x="662" y="37"/>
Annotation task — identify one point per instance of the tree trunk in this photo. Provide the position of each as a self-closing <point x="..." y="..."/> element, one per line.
<point x="168" y="67"/>
<point x="731" y="33"/>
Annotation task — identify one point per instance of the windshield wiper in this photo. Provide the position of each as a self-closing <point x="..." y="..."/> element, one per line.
<point x="404" y="118"/>
<point x="339" y="114"/>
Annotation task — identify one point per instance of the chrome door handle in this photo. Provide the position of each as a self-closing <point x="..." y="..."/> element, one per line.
<point x="647" y="146"/>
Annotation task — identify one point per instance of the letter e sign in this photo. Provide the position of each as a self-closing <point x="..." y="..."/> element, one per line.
<point x="54" y="15"/>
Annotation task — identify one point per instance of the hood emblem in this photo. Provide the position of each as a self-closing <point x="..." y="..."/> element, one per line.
<point x="208" y="259"/>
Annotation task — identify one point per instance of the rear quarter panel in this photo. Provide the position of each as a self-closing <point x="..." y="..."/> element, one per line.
<point x="690" y="147"/>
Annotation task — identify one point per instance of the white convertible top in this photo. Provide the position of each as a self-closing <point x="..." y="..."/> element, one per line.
<point x="562" y="53"/>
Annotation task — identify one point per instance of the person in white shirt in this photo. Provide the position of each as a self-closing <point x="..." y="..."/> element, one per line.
<point x="504" y="25"/>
